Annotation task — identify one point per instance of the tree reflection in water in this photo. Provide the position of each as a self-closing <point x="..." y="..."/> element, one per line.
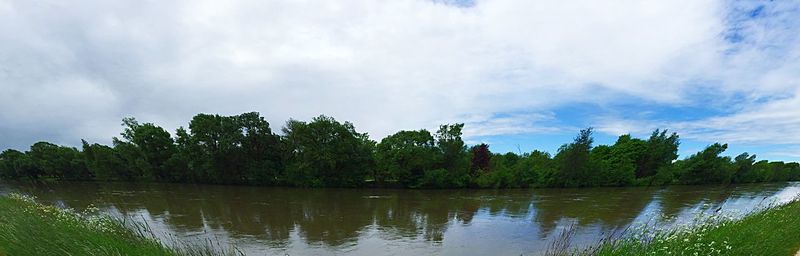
<point x="335" y="218"/>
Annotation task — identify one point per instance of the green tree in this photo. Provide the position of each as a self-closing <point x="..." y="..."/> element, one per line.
<point x="131" y="158"/>
<point x="661" y="150"/>
<point x="454" y="159"/>
<point x="792" y="171"/>
<point x="762" y="171"/>
<point x="261" y="150"/>
<point x="59" y="162"/>
<point x="104" y="162"/>
<point x="405" y="156"/>
<point x="780" y="171"/>
<point x="327" y="153"/>
<point x="16" y="165"/>
<point x="535" y="168"/>
<point x="502" y="174"/>
<point x="514" y="171"/>
<point x="573" y="161"/>
<point x="744" y="169"/>
<point x="611" y="166"/>
<point x="152" y="147"/>
<point x="706" y="166"/>
<point x="230" y="149"/>
<point x="616" y="165"/>
<point x="215" y="148"/>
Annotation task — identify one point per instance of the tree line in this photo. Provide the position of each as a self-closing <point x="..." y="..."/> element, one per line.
<point x="323" y="152"/>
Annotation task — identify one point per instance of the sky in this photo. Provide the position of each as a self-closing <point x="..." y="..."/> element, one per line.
<point x="521" y="75"/>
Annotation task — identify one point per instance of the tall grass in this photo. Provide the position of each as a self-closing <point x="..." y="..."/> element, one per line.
<point x="770" y="231"/>
<point x="30" y="228"/>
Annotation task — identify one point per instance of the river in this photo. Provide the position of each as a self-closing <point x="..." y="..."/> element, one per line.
<point x="293" y="221"/>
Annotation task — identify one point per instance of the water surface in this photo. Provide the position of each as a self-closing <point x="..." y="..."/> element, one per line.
<point x="279" y="221"/>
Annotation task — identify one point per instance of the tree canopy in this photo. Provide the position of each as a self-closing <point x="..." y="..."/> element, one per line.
<point x="324" y="152"/>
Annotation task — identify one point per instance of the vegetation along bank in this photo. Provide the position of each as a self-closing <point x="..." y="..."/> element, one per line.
<point x="323" y="152"/>
<point x="767" y="232"/>
<point x="30" y="228"/>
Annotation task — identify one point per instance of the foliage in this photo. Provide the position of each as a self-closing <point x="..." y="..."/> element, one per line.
<point x="230" y="149"/>
<point x="147" y="146"/>
<point x="60" y="162"/>
<point x="16" y="165"/>
<point x="611" y="167"/>
<point x="573" y="161"/>
<point x="706" y="166"/>
<point x="104" y="162"/>
<point x="243" y="149"/>
<point x="481" y="158"/>
<point x="660" y="151"/>
<point x="404" y="157"/>
<point x="327" y="153"/>
<point x="454" y="154"/>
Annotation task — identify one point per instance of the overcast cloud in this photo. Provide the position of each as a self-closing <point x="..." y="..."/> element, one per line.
<point x="73" y="69"/>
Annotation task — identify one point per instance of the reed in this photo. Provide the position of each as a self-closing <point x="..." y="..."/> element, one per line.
<point x="31" y="228"/>
<point x="768" y="231"/>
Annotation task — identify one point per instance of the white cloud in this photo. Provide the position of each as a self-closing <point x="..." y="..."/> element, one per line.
<point x="773" y="122"/>
<point x="385" y="65"/>
<point x="758" y="86"/>
<point x="517" y="123"/>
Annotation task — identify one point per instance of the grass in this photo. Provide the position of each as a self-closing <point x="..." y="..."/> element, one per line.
<point x="30" y="228"/>
<point x="773" y="231"/>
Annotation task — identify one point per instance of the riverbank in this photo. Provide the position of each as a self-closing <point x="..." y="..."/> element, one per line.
<point x="294" y="221"/>
<point x="767" y="232"/>
<point x="30" y="228"/>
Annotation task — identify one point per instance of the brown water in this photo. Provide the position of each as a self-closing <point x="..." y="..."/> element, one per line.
<point x="279" y="221"/>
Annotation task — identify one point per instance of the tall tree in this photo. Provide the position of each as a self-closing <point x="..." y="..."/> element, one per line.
<point x="104" y="162"/>
<point x="59" y="162"/>
<point x="405" y="156"/>
<point x="148" y="146"/>
<point x="261" y="149"/>
<point x="615" y="165"/>
<point x="326" y="152"/>
<point x="573" y="161"/>
<point x="661" y="150"/>
<point x="16" y="165"/>
<point x="706" y="166"/>
<point x="743" y="168"/>
<point x="454" y="163"/>
<point x="481" y="158"/>
<point x="232" y="149"/>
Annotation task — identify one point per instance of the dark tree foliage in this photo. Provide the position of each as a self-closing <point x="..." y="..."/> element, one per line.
<point x="149" y="147"/>
<point x="481" y="158"/>
<point x="18" y="165"/>
<point x="517" y="171"/>
<point x="453" y="166"/>
<point x="707" y="166"/>
<point x="661" y="150"/>
<point x="404" y="157"/>
<point x="452" y="147"/>
<point x="573" y="161"/>
<point x="213" y="146"/>
<point x="59" y="162"/>
<point x="610" y="167"/>
<point x="744" y="171"/>
<point x="105" y="163"/>
<point x="327" y="153"/>
<point x="261" y="150"/>
<point x="242" y="149"/>
<point x="230" y="149"/>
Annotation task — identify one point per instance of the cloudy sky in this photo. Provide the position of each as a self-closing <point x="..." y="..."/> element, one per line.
<point x="522" y="75"/>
